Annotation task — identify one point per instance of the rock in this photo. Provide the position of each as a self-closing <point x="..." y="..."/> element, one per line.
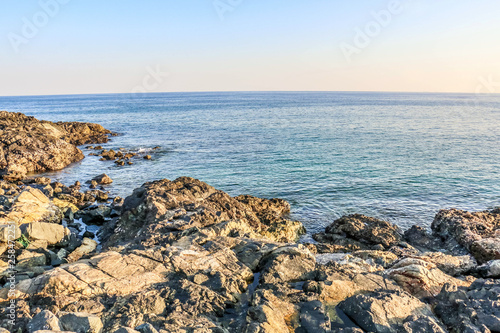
<point x="491" y="269"/>
<point x="147" y="157"/>
<point x="103" y="179"/>
<point x="88" y="246"/>
<point x="382" y="258"/>
<point x="28" y="259"/>
<point x="125" y="330"/>
<point x="383" y="311"/>
<point x="470" y="309"/>
<point x="416" y="324"/>
<point x="32" y="206"/>
<point x="80" y="322"/>
<point x="44" y="320"/>
<point x="478" y="233"/>
<point x="30" y="145"/>
<point x="9" y="232"/>
<point x="146" y="328"/>
<point x="43" y="181"/>
<point x="420" y="278"/>
<point x="313" y="318"/>
<point x="451" y="265"/>
<point x="365" y="229"/>
<point x="95" y="215"/>
<point x="288" y="264"/>
<point x="53" y="233"/>
<point x="168" y="206"/>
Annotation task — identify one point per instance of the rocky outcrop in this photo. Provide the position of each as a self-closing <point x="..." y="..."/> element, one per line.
<point x="182" y="256"/>
<point x="29" y="145"/>
<point x="163" y="209"/>
<point x="361" y="232"/>
<point x="470" y="309"/>
<point x="478" y="233"/>
<point x="388" y="312"/>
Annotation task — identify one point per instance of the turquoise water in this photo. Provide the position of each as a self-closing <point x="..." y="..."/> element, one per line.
<point x="400" y="157"/>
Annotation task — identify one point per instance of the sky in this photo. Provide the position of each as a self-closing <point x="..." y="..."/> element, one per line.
<point x="52" y="47"/>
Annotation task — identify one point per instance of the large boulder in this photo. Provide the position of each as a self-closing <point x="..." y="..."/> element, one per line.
<point x="388" y="312"/>
<point x="32" y="206"/>
<point x="165" y="206"/>
<point x="478" y="233"/>
<point x="29" y="145"/>
<point x="362" y="229"/>
<point x="470" y="309"/>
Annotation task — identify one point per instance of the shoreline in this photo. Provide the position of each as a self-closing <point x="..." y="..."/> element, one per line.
<point x="179" y="255"/>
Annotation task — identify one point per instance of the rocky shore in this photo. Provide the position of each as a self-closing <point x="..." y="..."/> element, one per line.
<point x="182" y="256"/>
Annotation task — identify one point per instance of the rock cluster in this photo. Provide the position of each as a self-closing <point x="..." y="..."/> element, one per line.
<point x="123" y="156"/>
<point x="29" y="145"/>
<point x="182" y="256"/>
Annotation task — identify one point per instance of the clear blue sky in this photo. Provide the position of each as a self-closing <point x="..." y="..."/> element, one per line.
<point x="91" y="46"/>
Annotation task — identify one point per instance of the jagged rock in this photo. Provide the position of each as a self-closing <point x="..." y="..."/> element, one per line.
<point x="451" y="265"/>
<point x="80" y="322"/>
<point x="362" y="229"/>
<point x="313" y="318"/>
<point x="146" y="328"/>
<point x="386" y="312"/>
<point x="125" y="330"/>
<point x="420" y="278"/>
<point x="470" y="309"/>
<point x="30" y="145"/>
<point x="54" y="234"/>
<point x="168" y="206"/>
<point x="479" y="232"/>
<point x="9" y="232"/>
<point x="383" y="258"/>
<point x="288" y="264"/>
<point x="27" y="259"/>
<point x="491" y="269"/>
<point x="103" y="179"/>
<point x="32" y="206"/>
<point x="44" y="320"/>
<point x="88" y="246"/>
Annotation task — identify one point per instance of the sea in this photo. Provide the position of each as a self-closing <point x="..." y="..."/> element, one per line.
<point x="400" y="157"/>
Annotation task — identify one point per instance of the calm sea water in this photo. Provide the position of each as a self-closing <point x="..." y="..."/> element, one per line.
<point x="400" y="157"/>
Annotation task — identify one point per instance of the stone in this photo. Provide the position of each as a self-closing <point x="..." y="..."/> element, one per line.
<point x="420" y="278"/>
<point x="44" y="320"/>
<point x="478" y="233"/>
<point x="52" y="233"/>
<point x="491" y="269"/>
<point x="9" y="232"/>
<point x="146" y="328"/>
<point x="125" y="330"/>
<point x="103" y="179"/>
<point x="80" y="322"/>
<point x="29" y="145"/>
<point x="28" y="259"/>
<point x="288" y="264"/>
<point x="87" y="247"/>
<point x="451" y="265"/>
<point x="383" y="311"/>
<point x="470" y="309"/>
<point x="366" y="230"/>
<point x="32" y="206"/>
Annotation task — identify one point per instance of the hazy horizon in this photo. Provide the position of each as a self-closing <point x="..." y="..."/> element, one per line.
<point x="64" y="47"/>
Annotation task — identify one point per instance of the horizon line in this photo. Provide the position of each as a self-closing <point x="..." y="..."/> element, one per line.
<point x="257" y="91"/>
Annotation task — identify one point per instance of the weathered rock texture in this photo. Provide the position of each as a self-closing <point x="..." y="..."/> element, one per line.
<point x="29" y="145"/>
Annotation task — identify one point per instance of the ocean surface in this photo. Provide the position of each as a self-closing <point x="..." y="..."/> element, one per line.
<point x="395" y="156"/>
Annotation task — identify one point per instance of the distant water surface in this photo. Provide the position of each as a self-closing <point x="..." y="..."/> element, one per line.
<point x="395" y="156"/>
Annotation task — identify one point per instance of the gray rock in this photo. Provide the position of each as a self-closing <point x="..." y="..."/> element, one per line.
<point x="384" y="312"/>
<point x="80" y="322"/>
<point x="125" y="330"/>
<point x="9" y="232"/>
<point x="470" y="309"/>
<point x="491" y="269"/>
<point x="44" y="320"/>
<point x="146" y="328"/>
<point x="313" y="318"/>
